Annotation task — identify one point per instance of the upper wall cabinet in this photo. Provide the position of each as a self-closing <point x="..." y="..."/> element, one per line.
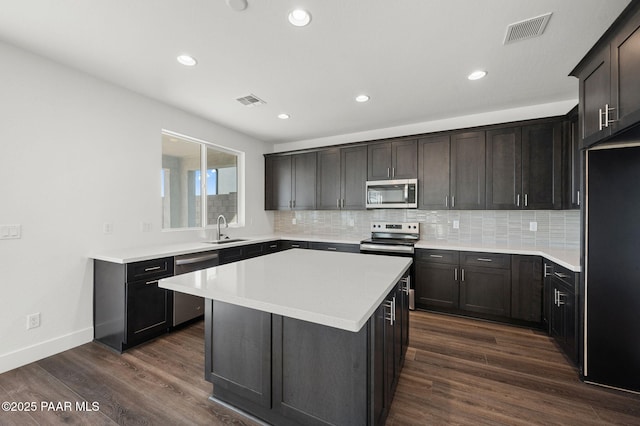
<point x="433" y="172"/>
<point x="341" y="178"/>
<point x="610" y="80"/>
<point x="467" y="185"/>
<point x="290" y="182"/>
<point x="393" y="160"/>
<point x="524" y="167"/>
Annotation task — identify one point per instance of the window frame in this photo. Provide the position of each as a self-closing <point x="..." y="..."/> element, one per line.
<point x="240" y="185"/>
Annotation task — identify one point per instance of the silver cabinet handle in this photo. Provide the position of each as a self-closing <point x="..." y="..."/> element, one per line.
<point x="455" y="274"/>
<point x="152" y="268"/>
<point x="437" y="256"/>
<point x="600" y="119"/>
<point x="406" y="284"/>
<point x="526" y="200"/>
<point x="560" y="275"/>
<point x="295" y="245"/>
<point x="151" y="282"/>
<point x="555" y="296"/>
<point x="453" y="201"/>
<point x="546" y="271"/>
<point x="484" y="259"/>
<point x="388" y="172"/>
<point x="578" y="197"/>
<point x="391" y="305"/>
<point x="462" y="274"/>
<point x="393" y="172"/>
<point x="294" y="204"/>
<point x="606" y="115"/>
<point x="560" y="296"/>
<point x="446" y="201"/>
<point x="273" y="246"/>
<point x="518" y="201"/>
<point x="332" y="248"/>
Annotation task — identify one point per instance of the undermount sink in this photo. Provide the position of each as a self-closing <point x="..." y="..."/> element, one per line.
<point x="229" y="240"/>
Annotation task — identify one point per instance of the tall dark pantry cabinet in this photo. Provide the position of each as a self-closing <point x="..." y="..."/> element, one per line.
<point x="612" y="257"/>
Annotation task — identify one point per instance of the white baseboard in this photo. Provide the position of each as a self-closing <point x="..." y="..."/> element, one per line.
<point x="36" y="352"/>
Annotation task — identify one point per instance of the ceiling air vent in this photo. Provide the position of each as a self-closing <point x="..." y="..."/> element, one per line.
<point x="250" y="101"/>
<point x="527" y="29"/>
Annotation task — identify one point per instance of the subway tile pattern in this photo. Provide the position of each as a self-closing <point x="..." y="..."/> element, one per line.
<point x="555" y="228"/>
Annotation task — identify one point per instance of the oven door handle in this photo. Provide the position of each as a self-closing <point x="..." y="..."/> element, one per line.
<point x="386" y="248"/>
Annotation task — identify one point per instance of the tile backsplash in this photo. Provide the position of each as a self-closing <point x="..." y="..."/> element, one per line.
<point x="555" y="228"/>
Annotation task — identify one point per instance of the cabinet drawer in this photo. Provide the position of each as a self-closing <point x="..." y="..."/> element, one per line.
<point x="437" y="256"/>
<point x="486" y="260"/>
<point x="150" y="269"/>
<point x="288" y="244"/>
<point x="563" y="274"/>
<point x="231" y="254"/>
<point x="349" y="248"/>
<point x="254" y="250"/>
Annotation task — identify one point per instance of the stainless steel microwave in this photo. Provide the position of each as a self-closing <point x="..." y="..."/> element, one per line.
<point x="392" y="194"/>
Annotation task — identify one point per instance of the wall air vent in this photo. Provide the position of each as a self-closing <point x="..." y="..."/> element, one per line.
<point x="527" y="29"/>
<point x="250" y="101"/>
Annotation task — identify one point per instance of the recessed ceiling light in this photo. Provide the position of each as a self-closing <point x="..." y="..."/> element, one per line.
<point x="299" y="17"/>
<point x="477" y="75"/>
<point x="362" y="98"/>
<point x="187" y="61"/>
<point x="283" y="116"/>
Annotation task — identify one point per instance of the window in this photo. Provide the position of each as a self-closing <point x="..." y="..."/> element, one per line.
<point x="188" y="200"/>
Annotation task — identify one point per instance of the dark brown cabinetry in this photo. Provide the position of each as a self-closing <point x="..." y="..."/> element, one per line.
<point x="609" y="85"/>
<point x="524" y="167"/>
<point x="433" y="172"/>
<point x="290" y="182"/>
<point x="129" y="307"/>
<point x="526" y="288"/>
<point x="341" y="179"/>
<point x="573" y="163"/>
<point x="561" y="311"/>
<point x="485" y="283"/>
<point x="476" y="283"/>
<point x="288" y="371"/>
<point x="392" y="160"/>
<point x="467" y="185"/>
<point x="342" y="247"/>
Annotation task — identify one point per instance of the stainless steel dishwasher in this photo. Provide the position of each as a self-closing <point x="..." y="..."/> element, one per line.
<point x="185" y="306"/>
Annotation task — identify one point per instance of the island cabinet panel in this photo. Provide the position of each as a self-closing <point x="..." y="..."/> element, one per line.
<point x="320" y="373"/>
<point x="433" y="172"/>
<point x="468" y="171"/>
<point x="239" y="355"/>
<point x="290" y="372"/>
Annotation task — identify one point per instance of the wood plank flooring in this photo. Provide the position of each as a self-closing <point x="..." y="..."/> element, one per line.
<point x="458" y="371"/>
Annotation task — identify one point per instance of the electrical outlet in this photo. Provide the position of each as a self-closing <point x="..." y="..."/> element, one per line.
<point x="33" y="321"/>
<point x="533" y="226"/>
<point x="456" y="224"/>
<point x="107" y="228"/>
<point x="294" y="221"/>
<point x="145" y="226"/>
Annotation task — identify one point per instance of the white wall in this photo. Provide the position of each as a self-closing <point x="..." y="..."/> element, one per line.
<point x="76" y="152"/>
<point x="453" y="123"/>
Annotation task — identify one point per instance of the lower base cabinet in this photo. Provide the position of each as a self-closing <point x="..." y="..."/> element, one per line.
<point x="290" y="372"/>
<point x="561" y="314"/>
<point x="484" y="285"/>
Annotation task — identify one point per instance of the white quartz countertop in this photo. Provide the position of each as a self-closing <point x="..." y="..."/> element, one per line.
<point x="570" y="259"/>
<point x="340" y="290"/>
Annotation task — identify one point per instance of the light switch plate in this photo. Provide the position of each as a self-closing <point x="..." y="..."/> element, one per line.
<point x="456" y="224"/>
<point x="533" y="226"/>
<point x="10" y="232"/>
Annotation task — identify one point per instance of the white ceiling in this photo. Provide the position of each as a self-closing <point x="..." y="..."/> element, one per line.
<point x="411" y="56"/>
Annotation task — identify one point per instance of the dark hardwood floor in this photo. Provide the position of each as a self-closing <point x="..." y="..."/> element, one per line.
<point x="458" y="371"/>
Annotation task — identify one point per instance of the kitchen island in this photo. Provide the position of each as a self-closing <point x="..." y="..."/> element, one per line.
<point x="304" y="337"/>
